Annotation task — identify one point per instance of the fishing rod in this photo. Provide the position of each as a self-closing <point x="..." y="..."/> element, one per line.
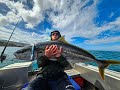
<point x="3" y="56"/>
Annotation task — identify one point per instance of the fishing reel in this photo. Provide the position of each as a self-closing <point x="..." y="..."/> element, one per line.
<point x="3" y="57"/>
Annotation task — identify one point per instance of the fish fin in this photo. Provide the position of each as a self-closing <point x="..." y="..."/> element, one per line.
<point x="101" y="70"/>
<point x="62" y="39"/>
<point x="104" y="64"/>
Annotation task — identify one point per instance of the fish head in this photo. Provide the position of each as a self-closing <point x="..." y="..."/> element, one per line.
<point x="39" y="52"/>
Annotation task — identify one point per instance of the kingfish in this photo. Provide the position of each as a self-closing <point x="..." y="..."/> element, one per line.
<point x="72" y="53"/>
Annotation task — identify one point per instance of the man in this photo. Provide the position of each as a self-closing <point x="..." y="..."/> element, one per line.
<point x="52" y="75"/>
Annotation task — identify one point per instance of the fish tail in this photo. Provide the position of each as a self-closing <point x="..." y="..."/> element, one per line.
<point x="104" y="64"/>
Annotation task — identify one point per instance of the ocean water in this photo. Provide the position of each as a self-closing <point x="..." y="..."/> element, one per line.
<point x="10" y="57"/>
<point x="107" y="55"/>
<point x="101" y="55"/>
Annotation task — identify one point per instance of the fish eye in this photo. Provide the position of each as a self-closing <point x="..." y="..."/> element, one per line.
<point x="39" y="51"/>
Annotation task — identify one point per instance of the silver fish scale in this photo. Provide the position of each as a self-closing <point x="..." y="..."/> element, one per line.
<point x="75" y="58"/>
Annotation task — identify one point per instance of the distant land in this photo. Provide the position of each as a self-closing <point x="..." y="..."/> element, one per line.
<point x="12" y="43"/>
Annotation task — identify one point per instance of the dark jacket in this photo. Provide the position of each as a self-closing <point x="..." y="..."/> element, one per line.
<point x="52" y="69"/>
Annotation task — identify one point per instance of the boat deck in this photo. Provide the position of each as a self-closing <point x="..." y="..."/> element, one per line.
<point x="91" y="74"/>
<point x="13" y="76"/>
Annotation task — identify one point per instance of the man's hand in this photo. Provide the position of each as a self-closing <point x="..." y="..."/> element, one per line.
<point x="53" y="51"/>
<point x="59" y="52"/>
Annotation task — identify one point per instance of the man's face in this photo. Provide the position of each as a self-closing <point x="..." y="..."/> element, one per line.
<point x="55" y="36"/>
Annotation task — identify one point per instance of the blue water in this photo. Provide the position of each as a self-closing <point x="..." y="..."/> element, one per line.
<point x="101" y="55"/>
<point x="10" y="57"/>
<point x="107" y="55"/>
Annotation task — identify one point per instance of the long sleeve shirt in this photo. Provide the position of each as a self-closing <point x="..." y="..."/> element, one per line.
<point x="52" y="69"/>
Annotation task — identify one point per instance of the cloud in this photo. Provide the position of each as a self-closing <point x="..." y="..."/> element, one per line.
<point x="22" y="36"/>
<point x="68" y="12"/>
<point x="74" y="18"/>
<point x="113" y="26"/>
<point x="116" y="22"/>
<point x="31" y="17"/>
<point x="103" y="40"/>
<point x="9" y="18"/>
<point x="111" y="15"/>
<point x="76" y="22"/>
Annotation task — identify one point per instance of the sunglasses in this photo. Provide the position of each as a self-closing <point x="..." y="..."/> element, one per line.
<point x="55" y="34"/>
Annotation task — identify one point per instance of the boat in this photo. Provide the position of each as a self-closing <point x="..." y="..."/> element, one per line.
<point x="15" y="76"/>
<point x="18" y="75"/>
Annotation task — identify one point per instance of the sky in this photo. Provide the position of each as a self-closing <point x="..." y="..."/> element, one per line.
<point x="89" y="24"/>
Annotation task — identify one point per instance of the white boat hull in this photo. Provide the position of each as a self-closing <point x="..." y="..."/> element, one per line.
<point x="14" y="76"/>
